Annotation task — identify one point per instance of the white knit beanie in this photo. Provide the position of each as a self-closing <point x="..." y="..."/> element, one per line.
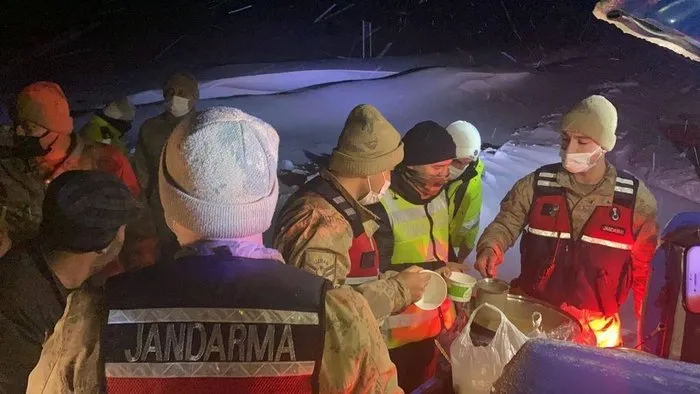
<point x="218" y="174"/>
<point x="467" y="138"/>
<point x="120" y="109"/>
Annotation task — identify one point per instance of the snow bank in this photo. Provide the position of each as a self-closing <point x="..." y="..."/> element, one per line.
<point x="266" y="83"/>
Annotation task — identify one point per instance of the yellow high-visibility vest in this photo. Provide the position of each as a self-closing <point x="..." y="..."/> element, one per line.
<point x="411" y="224"/>
<point x="465" y="209"/>
<point x="421" y="237"/>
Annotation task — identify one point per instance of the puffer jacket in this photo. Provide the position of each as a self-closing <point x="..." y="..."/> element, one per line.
<point x="23" y="183"/>
<point x="502" y="233"/>
<point x="152" y="137"/>
<point x="355" y="359"/>
<point x="315" y="237"/>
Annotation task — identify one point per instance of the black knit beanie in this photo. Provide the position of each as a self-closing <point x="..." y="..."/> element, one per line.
<point x="83" y="210"/>
<point x="427" y="143"/>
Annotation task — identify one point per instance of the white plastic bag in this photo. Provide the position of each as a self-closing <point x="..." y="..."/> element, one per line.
<point x="476" y="368"/>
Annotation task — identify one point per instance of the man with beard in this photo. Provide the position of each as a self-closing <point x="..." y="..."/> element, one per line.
<point x="84" y="217"/>
<point x="414" y="231"/>
<point x="44" y="147"/>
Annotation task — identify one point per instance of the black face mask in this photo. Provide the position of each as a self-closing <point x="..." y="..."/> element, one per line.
<point x="27" y="147"/>
<point x="122" y="126"/>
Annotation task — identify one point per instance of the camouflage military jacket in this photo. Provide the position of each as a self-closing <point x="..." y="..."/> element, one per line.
<point x="315" y="237"/>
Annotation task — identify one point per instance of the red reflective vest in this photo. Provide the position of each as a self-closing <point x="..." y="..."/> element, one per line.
<point x="592" y="272"/>
<point x="364" y="257"/>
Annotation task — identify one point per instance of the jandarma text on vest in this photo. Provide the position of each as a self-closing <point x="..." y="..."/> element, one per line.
<point x="208" y="342"/>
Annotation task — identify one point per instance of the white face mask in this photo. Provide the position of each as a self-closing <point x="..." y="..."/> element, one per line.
<point x="178" y="106"/>
<point x="579" y="162"/>
<point x="373" y="197"/>
<point x="456" y="173"/>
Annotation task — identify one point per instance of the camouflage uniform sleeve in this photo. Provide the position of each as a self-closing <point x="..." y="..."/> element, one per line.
<point x="501" y="234"/>
<point x="313" y="236"/>
<point x="645" y="230"/>
<point x="355" y="358"/>
<point x="70" y="358"/>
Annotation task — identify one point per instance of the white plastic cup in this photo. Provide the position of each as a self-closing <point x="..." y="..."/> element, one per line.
<point x="435" y="292"/>
<point x="459" y="286"/>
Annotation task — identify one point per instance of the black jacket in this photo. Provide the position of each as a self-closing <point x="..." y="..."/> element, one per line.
<point x="32" y="300"/>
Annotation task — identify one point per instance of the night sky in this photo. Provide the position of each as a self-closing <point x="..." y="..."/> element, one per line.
<point x="60" y="39"/>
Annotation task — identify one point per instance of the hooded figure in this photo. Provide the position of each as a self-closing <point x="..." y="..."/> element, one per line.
<point x="111" y="124"/>
<point x="251" y="323"/>
<point x="414" y="232"/>
<point x="588" y="229"/>
<point x="45" y="146"/>
<point x="181" y="93"/>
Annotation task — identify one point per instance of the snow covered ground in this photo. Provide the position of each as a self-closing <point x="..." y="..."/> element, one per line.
<point x="516" y="106"/>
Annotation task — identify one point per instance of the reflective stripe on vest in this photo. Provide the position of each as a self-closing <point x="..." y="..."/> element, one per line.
<point x="191" y="335"/>
<point x="160" y="334"/>
<point x="592" y="272"/>
<point x="411" y="226"/>
<point x="546" y="233"/>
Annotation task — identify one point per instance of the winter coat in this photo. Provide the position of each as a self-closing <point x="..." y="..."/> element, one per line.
<point x="502" y="233"/>
<point x="152" y="137"/>
<point x="355" y="359"/>
<point x="100" y="130"/>
<point x="316" y="237"/>
<point x="33" y="300"/>
<point x="22" y="187"/>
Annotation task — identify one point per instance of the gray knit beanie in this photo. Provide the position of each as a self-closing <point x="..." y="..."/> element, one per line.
<point x="218" y="174"/>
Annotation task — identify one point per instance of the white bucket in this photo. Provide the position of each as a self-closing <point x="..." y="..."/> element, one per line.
<point x="435" y="292"/>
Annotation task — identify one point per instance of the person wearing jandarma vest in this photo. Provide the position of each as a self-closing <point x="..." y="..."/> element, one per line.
<point x="228" y="315"/>
<point x="589" y="230"/>
<point x="325" y="227"/>
<point x="414" y="232"/>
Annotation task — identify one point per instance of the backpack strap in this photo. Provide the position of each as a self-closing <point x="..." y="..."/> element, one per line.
<point x="546" y="180"/>
<point x="325" y="189"/>
<point x="626" y="187"/>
